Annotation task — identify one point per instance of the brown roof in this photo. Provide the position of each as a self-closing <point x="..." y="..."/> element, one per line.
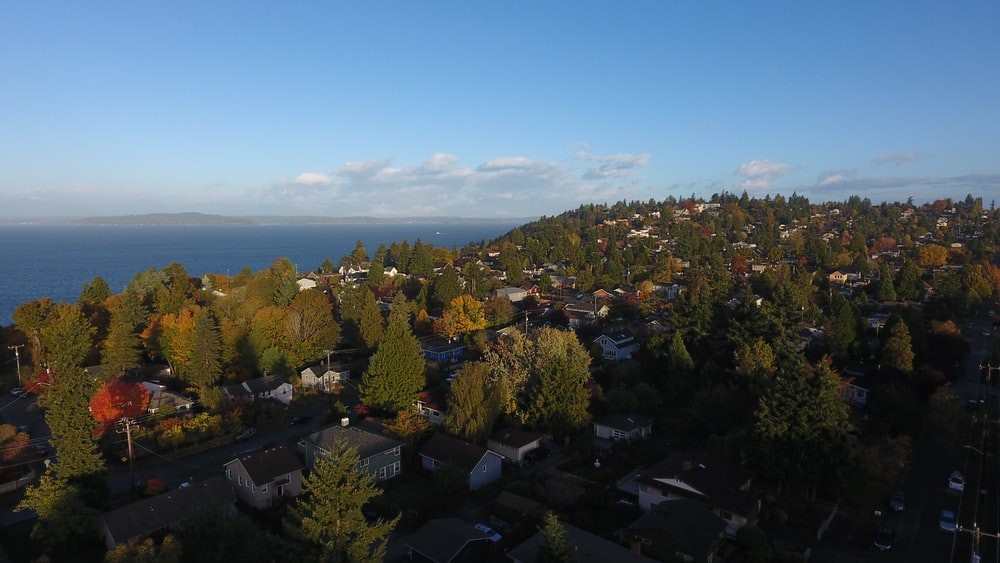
<point x="148" y="515"/>
<point x="447" y="449"/>
<point x="366" y="443"/>
<point x="264" y="466"/>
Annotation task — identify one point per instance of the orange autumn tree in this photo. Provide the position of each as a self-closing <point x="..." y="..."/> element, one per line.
<point x="118" y="399"/>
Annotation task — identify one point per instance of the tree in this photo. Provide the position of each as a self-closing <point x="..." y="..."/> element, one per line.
<point x="328" y="513"/>
<point x="559" y="398"/>
<point x="213" y="535"/>
<point x="118" y="399"/>
<point x="897" y="352"/>
<point x="843" y="328"/>
<point x="95" y="291"/>
<point x="309" y="326"/>
<point x="30" y="318"/>
<point x="396" y="372"/>
<point x="408" y="426"/>
<point x="499" y="311"/>
<point x="65" y="522"/>
<point x="146" y="551"/>
<point x="122" y="347"/>
<point x="447" y="287"/>
<point x="463" y="315"/>
<point x="555" y="546"/>
<point x="886" y="289"/>
<point x="908" y="284"/>
<point x="473" y="406"/>
<point x="206" y="355"/>
<point x="372" y="323"/>
<point x="754" y="360"/>
<point x="801" y="430"/>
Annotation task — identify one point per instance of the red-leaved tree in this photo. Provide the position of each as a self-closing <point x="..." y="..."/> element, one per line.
<point x="118" y="399"/>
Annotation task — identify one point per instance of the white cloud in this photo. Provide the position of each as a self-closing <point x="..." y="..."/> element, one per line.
<point x="312" y="178"/>
<point x="611" y="166"/>
<point x="899" y="159"/>
<point x="833" y="177"/>
<point x="504" y="186"/>
<point x="757" y="175"/>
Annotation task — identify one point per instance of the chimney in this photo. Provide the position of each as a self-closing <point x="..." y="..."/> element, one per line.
<point x="345" y="421"/>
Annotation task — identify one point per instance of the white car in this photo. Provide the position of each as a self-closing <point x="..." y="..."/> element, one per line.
<point x="494" y="536"/>
<point x="18" y="392"/>
<point x="956" y="481"/>
<point x="946" y="521"/>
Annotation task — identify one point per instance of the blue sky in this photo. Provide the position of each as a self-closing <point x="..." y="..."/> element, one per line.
<point x="504" y="109"/>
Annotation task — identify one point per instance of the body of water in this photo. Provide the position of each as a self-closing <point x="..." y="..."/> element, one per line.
<point x="55" y="261"/>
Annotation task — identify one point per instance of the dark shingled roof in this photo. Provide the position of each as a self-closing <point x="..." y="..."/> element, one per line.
<point x="688" y="523"/>
<point x="625" y="422"/>
<point x="718" y="481"/>
<point x="366" y="443"/>
<point x="446" y="449"/>
<point x="149" y="515"/>
<point x="264" y="466"/>
<point x="267" y="383"/>
<point x="442" y="539"/>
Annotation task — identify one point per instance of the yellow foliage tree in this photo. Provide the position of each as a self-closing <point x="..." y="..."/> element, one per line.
<point x="464" y="314"/>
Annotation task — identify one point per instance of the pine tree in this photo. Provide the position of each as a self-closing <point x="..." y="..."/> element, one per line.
<point x="328" y="513"/>
<point x="396" y="372"/>
<point x="555" y="546"/>
<point x="122" y="348"/>
<point x="372" y="324"/>
<point x="446" y="287"/>
<point x="897" y="352"/>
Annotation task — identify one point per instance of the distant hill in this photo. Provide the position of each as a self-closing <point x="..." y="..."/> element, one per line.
<point x="203" y="219"/>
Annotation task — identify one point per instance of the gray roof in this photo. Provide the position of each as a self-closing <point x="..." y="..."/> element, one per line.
<point x="366" y="443"/>
<point x="690" y="524"/>
<point x="447" y="449"/>
<point x="588" y="548"/>
<point x="625" y="422"/>
<point x="149" y="515"/>
<point x="442" y="539"/>
<point x="515" y="438"/>
<point x="266" y="383"/>
<point x="264" y="466"/>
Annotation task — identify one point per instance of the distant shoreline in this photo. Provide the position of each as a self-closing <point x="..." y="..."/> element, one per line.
<point x="203" y="219"/>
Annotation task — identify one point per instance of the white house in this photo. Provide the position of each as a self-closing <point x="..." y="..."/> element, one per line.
<point x="324" y="376"/>
<point x="268" y="387"/>
<point x="617" y="346"/>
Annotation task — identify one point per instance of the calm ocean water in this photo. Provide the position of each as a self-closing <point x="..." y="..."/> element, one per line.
<point x="57" y="260"/>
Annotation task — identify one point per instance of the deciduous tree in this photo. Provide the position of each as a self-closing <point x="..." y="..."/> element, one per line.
<point x="473" y="405"/>
<point x="118" y="399"/>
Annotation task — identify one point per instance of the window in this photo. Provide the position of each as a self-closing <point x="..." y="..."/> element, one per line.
<point x="364" y="462"/>
<point x="484" y="468"/>
<point x="263" y="489"/>
<point x="395" y="452"/>
<point x="435" y="462"/>
<point x="618" y="435"/>
<point x="229" y="474"/>
<point x="381" y="473"/>
<point x="239" y="480"/>
<point x="253" y="489"/>
<point x="248" y="484"/>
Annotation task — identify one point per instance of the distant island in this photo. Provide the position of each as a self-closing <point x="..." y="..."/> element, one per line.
<point x="205" y="219"/>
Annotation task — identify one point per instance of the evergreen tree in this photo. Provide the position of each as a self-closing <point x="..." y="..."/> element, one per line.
<point x="897" y="352"/>
<point x="843" y="330"/>
<point x="95" y="291"/>
<point x="446" y="287"/>
<point x="421" y="263"/>
<point x="395" y="374"/>
<point x="886" y="290"/>
<point x="372" y="324"/>
<point x="206" y="357"/>
<point x="908" y="284"/>
<point x="473" y="405"/>
<point x="146" y="551"/>
<point x="328" y="513"/>
<point x="555" y="546"/>
<point x="65" y="522"/>
<point x="122" y="347"/>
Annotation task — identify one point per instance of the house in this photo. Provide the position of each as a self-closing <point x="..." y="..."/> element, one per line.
<point x="379" y="455"/>
<point x="263" y="477"/>
<point x="447" y="540"/>
<point x="852" y="394"/>
<point x="623" y="427"/>
<point x="481" y="465"/>
<point x="165" y="511"/>
<point x="587" y="547"/>
<point x="603" y="295"/>
<point x="678" y="530"/>
<point x="513" y="444"/>
<point x="305" y="283"/>
<point x="432" y="404"/>
<point x="844" y="277"/>
<point x="438" y="349"/>
<point x="706" y="477"/>
<point x="324" y="376"/>
<point x="617" y="346"/>
<point x="160" y="397"/>
<point x="268" y="387"/>
<point x="513" y="294"/>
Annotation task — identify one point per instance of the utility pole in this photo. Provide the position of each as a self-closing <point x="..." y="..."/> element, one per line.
<point x="127" y="423"/>
<point x="17" y="358"/>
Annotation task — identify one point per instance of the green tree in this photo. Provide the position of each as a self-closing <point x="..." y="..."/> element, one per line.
<point x="206" y="357"/>
<point x="908" y="284"/>
<point x="309" y="326"/>
<point x="421" y="262"/>
<point x="409" y="426"/>
<point x="213" y="535"/>
<point x="371" y="323"/>
<point x="95" y="291"/>
<point x="122" y="348"/>
<point x="555" y="546"/>
<point x="559" y="399"/>
<point x="447" y="287"/>
<point x="473" y="406"/>
<point x="65" y="522"/>
<point x="396" y="372"/>
<point x="843" y="330"/>
<point x="897" y="352"/>
<point x="801" y="430"/>
<point x="328" y="513"/>
<point x="886" y="289"/>
<point x="30" y="318"/>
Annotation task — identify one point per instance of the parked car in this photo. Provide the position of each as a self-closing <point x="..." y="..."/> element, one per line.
<point x="18" y="392"/>
<point x="947" y="521"/>
<point x="987" y="333"/>
<point x="898" y="501"/>
<point x="885" y="538"/>
<point x="956" y="481"/>
<point x="494" y="536"/>
<point x="246" y="434"/>
<point x="537" y="454"/>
